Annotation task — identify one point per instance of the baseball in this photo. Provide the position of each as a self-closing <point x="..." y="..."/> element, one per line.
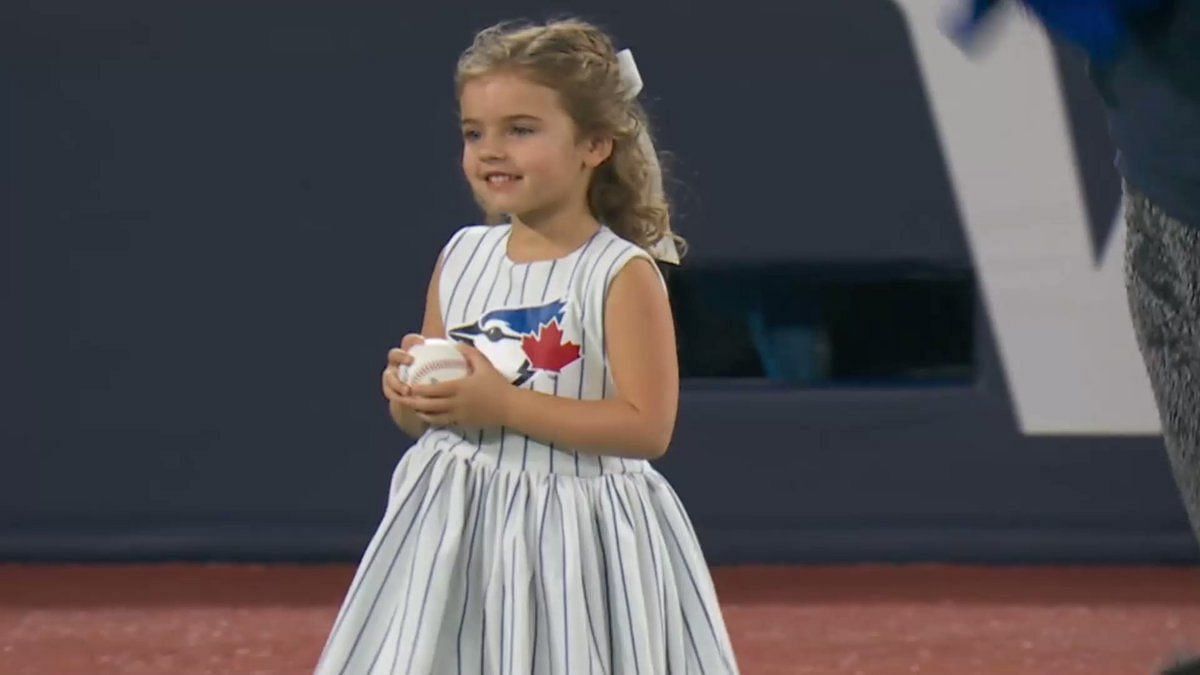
<point x="434" y="360"/>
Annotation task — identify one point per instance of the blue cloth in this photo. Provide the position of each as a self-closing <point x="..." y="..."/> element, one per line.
<point x="1145" y="60"/>
<point x="1100" y="27"/>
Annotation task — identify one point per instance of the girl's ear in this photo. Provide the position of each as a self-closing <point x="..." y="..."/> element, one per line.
<point x="596" y="150"/>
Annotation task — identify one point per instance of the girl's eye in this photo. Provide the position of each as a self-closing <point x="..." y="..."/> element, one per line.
<point x="471" y="135"/>
<point x="522" y="131"/>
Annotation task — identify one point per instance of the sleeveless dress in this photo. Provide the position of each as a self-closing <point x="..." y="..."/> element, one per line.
<point x="499" y="553"/>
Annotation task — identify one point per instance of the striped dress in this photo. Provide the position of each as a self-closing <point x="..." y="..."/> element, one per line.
<point x="499" y="553"/>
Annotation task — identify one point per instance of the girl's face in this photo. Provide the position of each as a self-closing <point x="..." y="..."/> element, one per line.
<point x="522" y="153"/>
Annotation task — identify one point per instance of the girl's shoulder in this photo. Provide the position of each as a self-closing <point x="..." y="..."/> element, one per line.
<point x="609" y="247"/>
<point x="612" y="254"/>
<point x="465" y="238"/>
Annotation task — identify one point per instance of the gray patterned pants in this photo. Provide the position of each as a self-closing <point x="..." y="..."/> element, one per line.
<point x="1162" y="278"/>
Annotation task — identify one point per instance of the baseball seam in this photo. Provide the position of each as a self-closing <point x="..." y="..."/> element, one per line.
<point x="428" y="368"/>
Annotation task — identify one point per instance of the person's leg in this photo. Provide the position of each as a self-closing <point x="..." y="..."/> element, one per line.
<point x="1162" y="278"/>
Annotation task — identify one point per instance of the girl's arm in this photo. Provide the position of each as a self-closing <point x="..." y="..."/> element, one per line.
<point x="431" y="326"/>
<point x="640" y="342"/>
<point x="638" y="422"/>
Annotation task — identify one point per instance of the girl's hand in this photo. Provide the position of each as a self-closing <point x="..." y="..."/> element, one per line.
<point x="478" y="400"/>
<point x="394" y="389"/>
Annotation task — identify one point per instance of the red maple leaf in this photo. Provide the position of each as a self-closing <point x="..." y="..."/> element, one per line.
<point x="547" y="351"/>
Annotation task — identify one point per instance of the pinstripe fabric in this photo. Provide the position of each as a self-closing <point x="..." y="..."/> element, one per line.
<point x="499" y="553"/>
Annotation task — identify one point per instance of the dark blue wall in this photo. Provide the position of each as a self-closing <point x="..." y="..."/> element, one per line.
<point x="221" y="215"/>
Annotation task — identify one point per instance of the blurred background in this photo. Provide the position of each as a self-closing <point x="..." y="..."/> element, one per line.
<point x="220" y="215"/>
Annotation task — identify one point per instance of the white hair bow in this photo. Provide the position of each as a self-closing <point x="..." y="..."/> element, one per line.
<point x="664" y="249"/>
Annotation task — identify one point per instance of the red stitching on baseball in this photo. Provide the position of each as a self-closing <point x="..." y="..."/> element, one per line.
<point x="434" y="365"/>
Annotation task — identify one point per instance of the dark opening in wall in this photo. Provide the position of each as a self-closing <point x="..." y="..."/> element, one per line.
<point x="826" y="326"/>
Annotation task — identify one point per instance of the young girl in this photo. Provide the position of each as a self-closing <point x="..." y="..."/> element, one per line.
<point x="526" y="531"/>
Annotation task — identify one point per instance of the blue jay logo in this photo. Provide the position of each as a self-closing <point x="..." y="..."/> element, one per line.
<point x="521" y="342"/>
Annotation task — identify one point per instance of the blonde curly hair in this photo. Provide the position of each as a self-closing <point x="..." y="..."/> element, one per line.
<point x="577" y="60"/>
